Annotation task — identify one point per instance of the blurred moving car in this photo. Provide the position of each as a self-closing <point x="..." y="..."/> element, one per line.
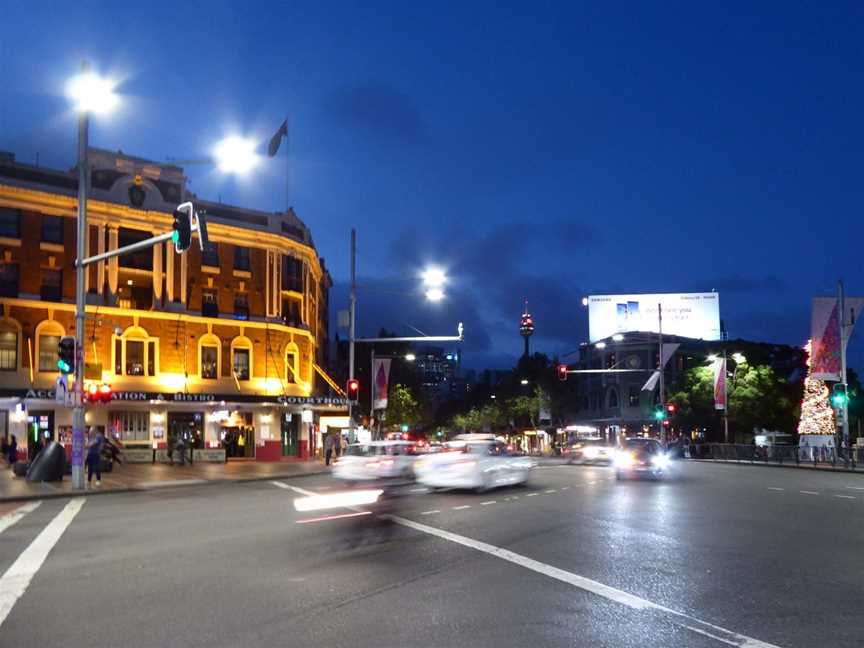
<point x="640" y="457"/>
<point x="474" y="461"/>
<point x="376" y="460"/>
<point x="592" y="451"/>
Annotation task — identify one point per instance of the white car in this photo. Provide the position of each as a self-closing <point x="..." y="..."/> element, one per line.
<point x="376" y="460"/>
<point x="473" y="461"/>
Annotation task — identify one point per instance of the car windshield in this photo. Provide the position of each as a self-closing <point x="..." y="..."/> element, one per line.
<point x="648" y="446"/>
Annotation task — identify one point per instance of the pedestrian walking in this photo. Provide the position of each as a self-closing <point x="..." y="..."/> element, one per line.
<point x="94" y="456"/>
<point x="329" y="444"/>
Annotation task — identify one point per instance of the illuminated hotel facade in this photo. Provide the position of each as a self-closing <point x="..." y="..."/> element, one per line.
<point x="224" y="348"/>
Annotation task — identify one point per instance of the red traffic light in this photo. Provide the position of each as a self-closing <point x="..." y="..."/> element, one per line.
<point x="671" y="408"/>
<point x="95" y="393"/>
<point x="666" y="422"/>
<point x="353" y="387"/>
<point x="562" y="372"/>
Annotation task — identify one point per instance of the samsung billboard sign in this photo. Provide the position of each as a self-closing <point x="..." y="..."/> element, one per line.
<point x="693" y="315"/>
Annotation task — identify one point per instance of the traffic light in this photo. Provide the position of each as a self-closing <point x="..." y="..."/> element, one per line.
<point x="659" y="412"/>
<point x="96" y="394"/>
<point x="839" y="396"/>
<point x="671" y="408"/>
<point x="66" y="355"/>
<point x="353" y="389"/>
<point x="562" y="372"/>
<point x="182" y="227"/>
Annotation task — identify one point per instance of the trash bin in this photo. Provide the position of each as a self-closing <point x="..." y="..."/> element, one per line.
<point x="49" y="465"/>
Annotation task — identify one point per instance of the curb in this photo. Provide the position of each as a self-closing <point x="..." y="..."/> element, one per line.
<point x="139" y="489"/>
<point x="778" y="465"/>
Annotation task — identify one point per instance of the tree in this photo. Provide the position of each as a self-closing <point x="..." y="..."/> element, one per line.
<point x="403" y="407"/>
<point x="817" y="416"/>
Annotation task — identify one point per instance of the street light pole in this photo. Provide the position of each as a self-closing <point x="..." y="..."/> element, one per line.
<point x="351" y="318"/>
<point x="662" y="368"/>
<point x="726" y="397"/>
<point x="844" y="410"/>
<point x="78" y="394"/>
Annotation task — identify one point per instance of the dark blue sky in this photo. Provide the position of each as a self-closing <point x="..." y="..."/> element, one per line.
<point x="535" y="150"/>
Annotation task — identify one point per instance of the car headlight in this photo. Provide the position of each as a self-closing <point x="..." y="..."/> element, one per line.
<point x="591" y="453"/>
<point x="661" y="461"/>
<point x="624" y="460"/>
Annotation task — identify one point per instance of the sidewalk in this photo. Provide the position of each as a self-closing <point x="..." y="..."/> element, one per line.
<point x="804" y="465"/>
<point x="143" y="477"/>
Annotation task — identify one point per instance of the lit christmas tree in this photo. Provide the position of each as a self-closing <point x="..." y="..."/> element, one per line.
<point x="817" y="415"/>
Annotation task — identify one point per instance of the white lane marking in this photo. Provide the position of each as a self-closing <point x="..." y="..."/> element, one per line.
<point x="592" y="586"/>
<point x="419" y="490"/>
<point x="14" y="582"/>
<point x="515" y="497"/>
<point x="12" y="517"/>
<point x="488" y="502"/>
<point x="855" y="487"/>
<point x="302" y="491"/>
<point x="432" y="512"/>
<point x="846" y="496"/>
<point x="551" y="490"/>
<point x="531" y="495"/>
<point x="461" y="508"/>
<point x="776" y="488"/>
<point x="169" y="484"/>
<point x="565" y="488"/>
<point x="808" y="492"/>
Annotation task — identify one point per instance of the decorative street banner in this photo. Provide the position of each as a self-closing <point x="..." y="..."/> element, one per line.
<point x="825" y="355"/>
<point x="669" y="350"/>
<point x="720" y="384"/>
<point x="381" y="374"/>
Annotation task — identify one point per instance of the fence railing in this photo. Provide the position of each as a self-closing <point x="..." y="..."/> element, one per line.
<point x="781" y="454"/>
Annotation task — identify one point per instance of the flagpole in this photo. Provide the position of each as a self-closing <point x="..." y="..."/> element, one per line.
<point x="287" y="173"/>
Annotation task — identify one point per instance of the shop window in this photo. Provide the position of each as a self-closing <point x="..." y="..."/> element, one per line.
<point x="241" y="306"/>
<point x="209" y="362"/>
<point x="10" y="223"/>
<point x="238" y="436"/>
<point x="131" y="426"/>
<point x="241" y="364"/>
<point x="52" y="229"/>
<point x="8" y="347"/>
<point x="52" y="285"/>
<point x="241" y="259"/>
<point x="8" y="279"/>
<point x="210" y="302"/>
<point x="292" y="364"/>
<point x="210" y="255"/>
<point x="135" y="354"/>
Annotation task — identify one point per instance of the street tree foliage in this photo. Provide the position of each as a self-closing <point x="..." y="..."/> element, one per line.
<point x="758" y="398"/>
<point x="403" y="407"/>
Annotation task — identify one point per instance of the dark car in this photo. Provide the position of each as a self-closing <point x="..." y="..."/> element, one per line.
<point x="640" y="457"/>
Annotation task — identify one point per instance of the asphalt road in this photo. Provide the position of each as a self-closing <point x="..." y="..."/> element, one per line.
<point x="722" y="555"/>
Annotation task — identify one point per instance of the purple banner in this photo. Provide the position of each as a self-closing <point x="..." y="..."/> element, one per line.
<point x="78" y="447"/>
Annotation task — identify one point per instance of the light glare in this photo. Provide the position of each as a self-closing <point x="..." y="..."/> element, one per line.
<point x="434" y="277"/>
<point x="91" y="93"/>
<point x="434" y="294"/>
<point x="236" y="154"/>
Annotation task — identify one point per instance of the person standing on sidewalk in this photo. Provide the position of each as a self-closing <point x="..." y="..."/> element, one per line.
<point x="343" y="445"/>
<point x="94" y="456"/>
<point x="329" y="444"/>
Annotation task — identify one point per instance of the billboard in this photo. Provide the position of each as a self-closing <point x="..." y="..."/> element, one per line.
<point x="693" y="315"/>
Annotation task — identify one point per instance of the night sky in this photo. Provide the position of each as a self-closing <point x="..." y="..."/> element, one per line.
<point x="539" y="150"/>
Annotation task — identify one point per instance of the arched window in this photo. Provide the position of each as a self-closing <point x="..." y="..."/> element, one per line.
<point x="612" y="399"/>
<point x="135" y="353"/>
<point x="241" y="357"/>
<point x="292" y="363"/>
<point x="209" y="357"/>
<point x="10" y="337"/>
<point x="48" y="335"/>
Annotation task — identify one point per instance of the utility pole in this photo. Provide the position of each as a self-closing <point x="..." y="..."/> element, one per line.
<point x="725" y="397"/>
<point x="78" y="393"/>
<point x="844" y="336"/>
<point x="662" y="371"/>
<point x="372" y="388"/>
<point x="351" y="317"/>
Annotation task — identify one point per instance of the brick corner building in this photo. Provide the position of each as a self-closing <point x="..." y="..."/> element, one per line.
<point x="225" y="348"/>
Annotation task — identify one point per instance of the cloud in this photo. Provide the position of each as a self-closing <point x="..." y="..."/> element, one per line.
<point x="737" y="283"/>
<point x="376" y="109"/>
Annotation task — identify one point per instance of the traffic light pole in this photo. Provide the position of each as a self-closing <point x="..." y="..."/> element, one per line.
<point x="844" y="423"/>
<point x="662" y="369"/>
<point x="352" y="316"/>
<point x="78" y="394"/>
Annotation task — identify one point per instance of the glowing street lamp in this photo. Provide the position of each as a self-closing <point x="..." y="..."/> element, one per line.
<point x="410" y="357"/>
<point x="739" y="358"/>
<point x="434" y="294"/>
<point x="91" y="93"/>
<point x="236" y="154"/>
<point x="434" y="277"/>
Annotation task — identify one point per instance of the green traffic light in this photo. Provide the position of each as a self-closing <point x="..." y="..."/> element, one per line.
<point x="63" y="366"/>
<point x="175" y="236"/>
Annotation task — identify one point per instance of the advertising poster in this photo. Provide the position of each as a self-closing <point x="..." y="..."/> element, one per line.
<point x="692" y="315"/>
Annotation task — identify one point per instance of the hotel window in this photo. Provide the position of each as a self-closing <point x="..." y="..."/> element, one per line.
<point x="140" y="259"/>
<point x="292" y="364"/>
<point x="241" y="306"/>
<point x="48" y="351"/>
<point x="210" y="255"/>
<point x="8" y="279"/>
<point x="132" y="426"/>
<point x="241" y="259"/>
<point x="52" y="285"/>
<point x="52" y="229"/>
<point x="241" y="364"/>
<point x="291" y="312"/>
<point x="8" y="347"/>
<point x="135" y="354"/>
<point x="209" y="362"/>
<point x="210" y="302"/>
<point x="292" y="274"/>
<point x="10" y="223"/>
